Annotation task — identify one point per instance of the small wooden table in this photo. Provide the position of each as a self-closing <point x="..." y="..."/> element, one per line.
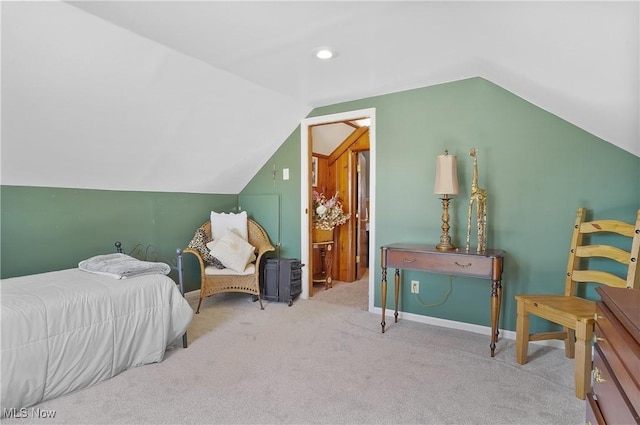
<point x="326" y="253"/>
<point x="487" y="265"/>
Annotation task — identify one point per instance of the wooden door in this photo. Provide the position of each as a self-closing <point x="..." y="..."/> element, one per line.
<point x="362" y="222"/>
<point x="343" y="164"/>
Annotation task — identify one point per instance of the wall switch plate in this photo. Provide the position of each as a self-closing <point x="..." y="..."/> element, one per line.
<point x="415" y="286"/>
<point x="285" y="174"/>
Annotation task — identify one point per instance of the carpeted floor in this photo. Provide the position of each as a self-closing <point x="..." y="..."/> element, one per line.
<point x="320" y="362"/>
<point x="353" y="294"/>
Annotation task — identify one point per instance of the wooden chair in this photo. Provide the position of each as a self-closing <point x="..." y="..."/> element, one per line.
<point x="215" y="281"/>
<point x="576" y="314"/>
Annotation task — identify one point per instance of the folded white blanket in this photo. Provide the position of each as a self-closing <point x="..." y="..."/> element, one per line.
<point x="121" y="266"/>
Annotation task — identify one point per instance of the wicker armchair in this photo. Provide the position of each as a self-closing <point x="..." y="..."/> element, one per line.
<point x="215" y="281"/>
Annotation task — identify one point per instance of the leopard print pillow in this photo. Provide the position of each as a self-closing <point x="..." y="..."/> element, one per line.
<point x="199" y="243"/>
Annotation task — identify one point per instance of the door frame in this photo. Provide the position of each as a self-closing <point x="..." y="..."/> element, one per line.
<point x="305" y="189"/>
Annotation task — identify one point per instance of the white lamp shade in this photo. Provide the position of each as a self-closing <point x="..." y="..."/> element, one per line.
<point x="446" y="175"/>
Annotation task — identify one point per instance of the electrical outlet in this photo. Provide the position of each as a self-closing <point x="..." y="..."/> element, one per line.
<point x="415" y="286"/>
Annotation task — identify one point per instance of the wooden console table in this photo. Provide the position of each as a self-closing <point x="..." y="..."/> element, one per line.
<point x="457" y="263"/>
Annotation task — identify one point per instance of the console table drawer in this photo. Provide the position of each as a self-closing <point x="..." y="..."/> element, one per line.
<point x="475" y="266"/>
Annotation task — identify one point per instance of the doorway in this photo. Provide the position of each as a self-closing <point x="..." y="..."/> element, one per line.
<point x="306" y="187"/>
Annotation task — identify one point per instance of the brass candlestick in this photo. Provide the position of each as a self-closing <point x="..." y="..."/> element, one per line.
<point x="445" y="240"/>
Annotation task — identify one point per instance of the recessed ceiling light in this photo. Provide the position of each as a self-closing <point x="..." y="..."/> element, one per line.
<point x="324" y="53"/>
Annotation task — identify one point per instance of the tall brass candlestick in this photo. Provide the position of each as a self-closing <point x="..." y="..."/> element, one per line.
<point x="445" y="240"/>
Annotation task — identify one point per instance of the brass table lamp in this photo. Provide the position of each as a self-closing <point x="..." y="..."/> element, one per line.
<point x="446" y="184"/>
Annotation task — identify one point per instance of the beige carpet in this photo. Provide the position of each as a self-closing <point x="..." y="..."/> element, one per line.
<point x="320" y="362"/>
<point x="352" y="294"/>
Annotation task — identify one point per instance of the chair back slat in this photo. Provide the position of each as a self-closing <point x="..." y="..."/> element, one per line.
<point x="599" y="276"/>
<point x="611" y="226"/>
<point x="604" y="251"/>
<point x="589" y="271"/>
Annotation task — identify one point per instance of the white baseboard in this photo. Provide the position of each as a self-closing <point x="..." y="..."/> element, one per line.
<point x="469" y="327"/>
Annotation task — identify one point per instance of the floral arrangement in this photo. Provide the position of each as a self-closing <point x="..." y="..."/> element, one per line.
<point x="327" y="213"/>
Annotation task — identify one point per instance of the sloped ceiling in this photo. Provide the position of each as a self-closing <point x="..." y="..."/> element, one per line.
<point x="140" y="90"/>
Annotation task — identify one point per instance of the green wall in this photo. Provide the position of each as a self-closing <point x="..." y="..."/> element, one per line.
<point x="537" y="169"/>
<point x="45" y="229"/>
<point x="288" y="192"/>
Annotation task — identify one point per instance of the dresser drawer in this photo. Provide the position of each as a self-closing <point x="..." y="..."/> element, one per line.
<point x="621" y="352"/>
<point x="593" y="416"/>
<point x="460" y="265"/>
<point x="614" y="405"/>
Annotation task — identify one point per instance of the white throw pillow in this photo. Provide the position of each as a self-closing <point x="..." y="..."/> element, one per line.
<point x="232" y="251"/>
<point x="221" y="223"/>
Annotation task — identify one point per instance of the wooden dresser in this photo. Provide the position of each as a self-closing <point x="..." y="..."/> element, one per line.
<point x="615" y="395"/>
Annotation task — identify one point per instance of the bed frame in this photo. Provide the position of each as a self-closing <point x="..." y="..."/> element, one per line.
<point x="177" y="268"/>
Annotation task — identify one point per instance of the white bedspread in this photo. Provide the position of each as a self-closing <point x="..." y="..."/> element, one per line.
<point x="66" y="330"/>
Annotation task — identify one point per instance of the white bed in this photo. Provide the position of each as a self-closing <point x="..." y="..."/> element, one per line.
<point x="66" y="330"/>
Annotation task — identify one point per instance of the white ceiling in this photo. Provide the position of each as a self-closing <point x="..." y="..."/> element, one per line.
<point x="576" y="59"/>
<point x="326" y="138"/>
<point x="151" y="86"/>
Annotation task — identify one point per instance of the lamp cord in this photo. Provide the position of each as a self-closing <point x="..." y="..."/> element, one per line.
<point x="444" y="297"/>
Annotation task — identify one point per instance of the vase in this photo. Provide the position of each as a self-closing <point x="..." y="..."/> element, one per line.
<point x="319" y="235"/>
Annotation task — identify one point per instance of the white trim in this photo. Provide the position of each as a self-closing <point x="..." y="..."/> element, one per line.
<point x="304" y="189"/>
